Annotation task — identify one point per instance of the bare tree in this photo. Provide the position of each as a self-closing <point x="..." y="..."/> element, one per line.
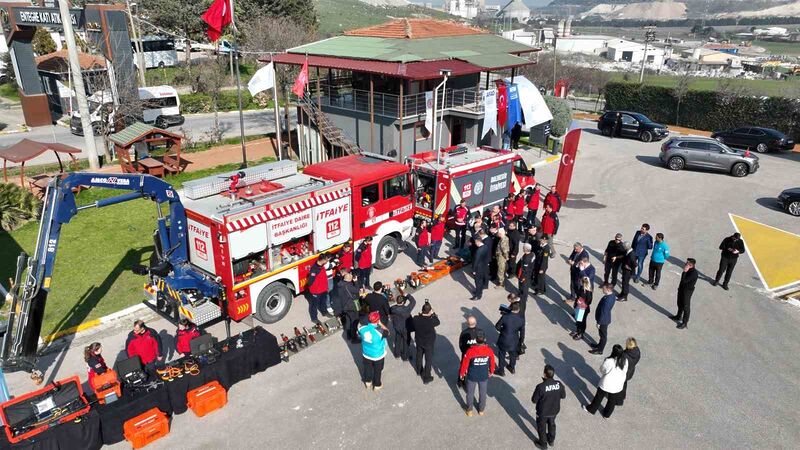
<point x="680" y="91"/>
<point x="210" y="77"/>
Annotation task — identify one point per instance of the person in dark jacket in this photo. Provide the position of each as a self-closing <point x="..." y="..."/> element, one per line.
<point x="425" y="324"/>
<point x="574" y="261"/>
<point x="401" y="316"/>
<point x="732" y="246"/>
<point x="93" y="355"/>
<point x="628" y="269"/>
<point x="467" y="337"/>
<point x="547" y="396"/>
<point x="378" y="302"/>
<point x="685" y="291"/>
<point x="612" y="259"/>
<point x="344" y="306"/>
<point x="525" y="274"/>
<point x="480" y="268"/>
<point x="540" y="266"/>
<point x="510" y="326"/>
<point x="514" y="238"/>
<point x="633" y="354"/>
<point x="641" y="244"/>
<point x="477" y="366"/>
<point x="363" y="262"/>
<point x="184" y="335"/>
<point x="584" y="303"/>
<point x="603" y="317"/>
<point x="145" y="343"/>
<point x="317" y="283"/>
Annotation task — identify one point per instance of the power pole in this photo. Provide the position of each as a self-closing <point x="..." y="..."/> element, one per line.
<point x="649" y="36"/>
<point x="80" y="89"/>
<point x="137" y="42"/>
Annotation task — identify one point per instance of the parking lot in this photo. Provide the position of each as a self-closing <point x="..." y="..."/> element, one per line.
<point x="728" y="381"/>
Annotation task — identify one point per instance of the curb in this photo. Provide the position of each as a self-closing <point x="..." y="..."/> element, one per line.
<point x="92" y="323"/>
<point x="546" y="161"/>
<point x="19" y="130"/>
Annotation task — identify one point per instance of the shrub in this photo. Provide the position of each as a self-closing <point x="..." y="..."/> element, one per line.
<point x="17" y="206"/>
<point x="562" y="115"/>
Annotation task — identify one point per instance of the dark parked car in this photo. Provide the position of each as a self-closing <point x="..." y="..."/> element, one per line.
<point x="759" y="139"/>
<point x="790" y="201"/>
<point x="633" y="125"/>
<point x="706" y="153"/>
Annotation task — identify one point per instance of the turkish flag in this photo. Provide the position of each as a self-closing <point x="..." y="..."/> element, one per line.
<point x="502" y="102"/>
<point x="218" y="16"/>
<point x="569" y="152"/>
<point x="299" y="88"/>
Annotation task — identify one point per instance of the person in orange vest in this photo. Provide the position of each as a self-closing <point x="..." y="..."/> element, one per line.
<point x="437" y="236"/>
<point x="318" y="288"/>
<point x="423" y="243"/>
<point x="363" y="260"/>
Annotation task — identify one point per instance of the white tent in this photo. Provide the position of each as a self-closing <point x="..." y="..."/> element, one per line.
<point x="533" y="106"/>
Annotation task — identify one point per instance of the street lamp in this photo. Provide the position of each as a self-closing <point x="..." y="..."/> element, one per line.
<point x="436" y="137"/>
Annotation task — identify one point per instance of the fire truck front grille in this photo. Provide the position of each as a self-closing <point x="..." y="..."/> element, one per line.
<point x="213" y="185"/>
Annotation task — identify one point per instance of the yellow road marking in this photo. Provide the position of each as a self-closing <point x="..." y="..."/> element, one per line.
<point x="772" y="251"/>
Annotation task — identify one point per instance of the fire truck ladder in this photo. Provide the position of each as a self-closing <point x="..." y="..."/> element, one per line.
<point x="333" y="134"/>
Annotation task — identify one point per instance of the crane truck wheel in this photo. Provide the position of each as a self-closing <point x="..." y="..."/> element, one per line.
<point x="273" y="303"/>
<point x="387" y="252"/>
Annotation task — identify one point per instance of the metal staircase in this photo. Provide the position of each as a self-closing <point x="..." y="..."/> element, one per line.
<point x="333" y="134"/>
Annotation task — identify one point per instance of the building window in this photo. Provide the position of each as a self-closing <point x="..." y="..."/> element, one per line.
<point x="420" y="132"/>
<point x="369" y="194"/>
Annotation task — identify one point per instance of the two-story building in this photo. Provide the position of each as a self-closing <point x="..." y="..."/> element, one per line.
<point x="371" y="85"/>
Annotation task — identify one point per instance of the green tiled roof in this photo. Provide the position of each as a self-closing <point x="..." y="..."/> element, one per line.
<point x="131" y="133"/>
<point x="485" y="50"/>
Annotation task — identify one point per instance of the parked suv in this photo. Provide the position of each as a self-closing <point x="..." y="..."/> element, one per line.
<point x="706" y="153"/>
<point x="790" y="201"/>
<point x="759" y="139"/>
<point x="632" y="125"/>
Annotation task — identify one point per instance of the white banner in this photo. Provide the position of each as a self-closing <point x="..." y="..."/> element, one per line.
<point x="429" y="111"/>
<point x="489" y="111"/>
<point x="263" y="79"/>
<point x="533" y="106"/>
<point x="289" y="227"/>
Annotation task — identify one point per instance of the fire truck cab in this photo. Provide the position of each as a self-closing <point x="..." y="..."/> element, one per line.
<point x="482" y="176"/>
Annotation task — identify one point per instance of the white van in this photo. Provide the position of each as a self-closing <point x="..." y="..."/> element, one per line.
<point x="160" y="107"/>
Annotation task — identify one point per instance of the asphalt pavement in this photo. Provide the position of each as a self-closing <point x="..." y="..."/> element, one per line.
<point x="728" y="381"/>
<point x="197" y="125"/>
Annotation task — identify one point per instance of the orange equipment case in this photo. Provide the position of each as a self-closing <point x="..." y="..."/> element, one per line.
<point x="78" y="390"/>
<point x="146" y="428"/>
<point x="105" y="384"/>
<point x="208" y="397"/>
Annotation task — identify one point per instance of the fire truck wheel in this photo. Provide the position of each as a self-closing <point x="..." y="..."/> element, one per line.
<point x="273" y="303"/>
<point x="387" y="252"/>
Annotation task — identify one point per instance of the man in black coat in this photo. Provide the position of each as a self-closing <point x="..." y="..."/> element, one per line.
<point x="510" y="326"/>
<point x="514" y="238"/>
<point x="400" y="314"/>
<point x="376" y="301"/>
<point x="468" y="337"/>
<point x="612" y="259"/>
<point x="578" y="253"/>
<point x="732" y="246"/>
<point x="425" y="324"/>
<point x="480" y="267"/>
<point x="525" y="275"/>
<point x="344" y="305"/>
<point x="547" y="396"/>
<point x="542" y="259"/>
<point x="629" y="262"/>
<point x="685" y="291"/>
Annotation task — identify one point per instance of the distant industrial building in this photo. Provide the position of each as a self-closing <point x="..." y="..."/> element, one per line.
<point x="516" y="10"/>
<point x="621" y="50"/>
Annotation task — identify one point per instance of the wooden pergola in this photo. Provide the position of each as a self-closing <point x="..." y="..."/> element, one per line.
<point x="26" y="149"/>
<point x="153" y="138"/>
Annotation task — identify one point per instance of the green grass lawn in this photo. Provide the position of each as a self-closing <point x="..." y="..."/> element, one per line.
<point x="779" y="48"/>
<point x="790" y="87"/>
<point x="9" y="91"/>
<point x="338" y="16"/>
<point x="92" y="276"/>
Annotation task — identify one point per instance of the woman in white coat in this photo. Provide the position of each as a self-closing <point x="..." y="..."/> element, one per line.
<point x="613" y="374"/>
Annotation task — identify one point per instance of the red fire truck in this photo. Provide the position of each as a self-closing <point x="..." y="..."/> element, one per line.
<point x="260" y="239"/>
<point x="482" y="176"/>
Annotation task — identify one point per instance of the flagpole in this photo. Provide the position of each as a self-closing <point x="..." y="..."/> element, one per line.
<point x="276" y="108"/>
<point x="238" y="87"/>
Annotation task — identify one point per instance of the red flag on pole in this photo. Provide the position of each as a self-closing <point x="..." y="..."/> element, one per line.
<point x="300" y="83"/>
<point x="218" y="16"/>
<point x="502" y="102"/>
<point x="569" y="151"/>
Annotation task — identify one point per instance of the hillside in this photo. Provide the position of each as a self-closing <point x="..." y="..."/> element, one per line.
<point x="638" y="9"/>
<point x="337" y="16"/>
<point x="663" y="10"/>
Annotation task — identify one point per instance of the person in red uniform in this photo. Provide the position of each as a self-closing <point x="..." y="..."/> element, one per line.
<point x="318" y="288"/>
<point x="549" y="221"/>
<point x="345" y="257"/>
<point x="553" y="199"/>
<point x="519" y="208"/>
<point x="461" y="215"/>
<point x="363" y="259"/>
<point x="533" y="205"/>
<point x="186" y="332"/>
<point x="423" y="243"/>
<point x="437" y="236"/>
<point x="145" y="343"/>
<point x="509" y="208"/>
<point x="93" y="356"/>
<point x="477" y="366"/>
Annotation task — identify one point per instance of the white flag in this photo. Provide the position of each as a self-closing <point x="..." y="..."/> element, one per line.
<point x="263" y="79"/>
<point x="429" y="111"/>
<point x="489" y="111"/>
